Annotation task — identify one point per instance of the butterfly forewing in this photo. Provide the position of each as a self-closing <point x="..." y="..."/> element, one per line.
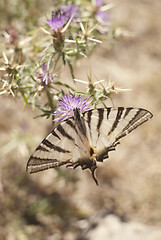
<point x="58" y="148"/>
<point x="108" y="125"/>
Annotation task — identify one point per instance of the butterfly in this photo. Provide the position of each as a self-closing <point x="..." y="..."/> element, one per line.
<point x="86" y="138"/>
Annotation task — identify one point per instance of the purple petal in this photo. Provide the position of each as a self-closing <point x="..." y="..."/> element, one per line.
<point x="68" y="103"/>
<point x="57" y="21"/>
<point x="103" y="16"/>
<point x="46" y="77"/>
<point x="72" y="11"/>
<point x="44" y="67"/>
<point x="99" y="3"/>
<point x="62" y="16"/>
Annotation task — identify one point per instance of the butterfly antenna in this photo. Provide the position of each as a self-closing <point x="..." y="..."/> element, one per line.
<point x="93" y="170"/>
<point x="104" y="104"/>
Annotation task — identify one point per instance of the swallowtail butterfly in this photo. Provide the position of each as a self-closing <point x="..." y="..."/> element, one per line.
<point x="85" y="139"/>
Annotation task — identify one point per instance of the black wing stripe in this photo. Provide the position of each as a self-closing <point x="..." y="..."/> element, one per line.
<point x="41" y="148"/>
<point x="108" y="112"/>
<point x="55" y="135"/>
<point x="138" y="119"/>
<point x="52" y="146"/>
<point x="118" y="116"/>
<point x="70" y="123"/>
<point x="38" y="168"/>
<point x="127" y="111"/>
<point x="64" y="133"/>
<point x="100" y="118"/>
<point x="134" y="122"/>
<point x="88" y="121"/>
<point x="37" y="161"/>
<point x="89" y="114"/>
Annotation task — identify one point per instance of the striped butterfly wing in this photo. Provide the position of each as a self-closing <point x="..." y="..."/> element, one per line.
<point x="64" y="145"/>
<point x="83" y="140"/>
<point x="108" y="125"/>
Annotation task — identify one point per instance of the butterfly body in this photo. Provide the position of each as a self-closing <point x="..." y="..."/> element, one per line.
<point x="85" y="139"/>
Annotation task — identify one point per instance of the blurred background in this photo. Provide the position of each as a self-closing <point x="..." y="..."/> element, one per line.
<point x="56" y="204"/>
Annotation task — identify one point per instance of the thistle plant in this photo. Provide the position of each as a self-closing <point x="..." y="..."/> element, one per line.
<point x="31" y="66"/>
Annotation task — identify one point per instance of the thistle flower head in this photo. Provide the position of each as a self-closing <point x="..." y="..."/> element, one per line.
<point x="62" y="16"/>
<point x="46" y="77"/>
<point x="57" y="21"/>
<point x="68" y="103"/>
<point x="71" y="11"/>
<point x="102" y="16"/>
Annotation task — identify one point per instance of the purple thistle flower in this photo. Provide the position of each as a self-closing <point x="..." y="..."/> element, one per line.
<point x="45" y="77"/>
<point x="68" y="103"/>
<point x="62" y="16"/>
<point x="102" y="16"/>
<point x="99" y="3"/>
<point x="57" y="21"/>
<point x="71" y="11"/>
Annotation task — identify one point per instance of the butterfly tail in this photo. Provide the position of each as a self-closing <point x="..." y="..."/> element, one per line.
<point x="93" y="174"/>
